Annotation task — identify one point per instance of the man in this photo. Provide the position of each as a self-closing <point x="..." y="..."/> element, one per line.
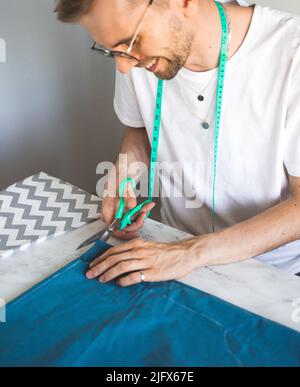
<point x="258" y="178"/>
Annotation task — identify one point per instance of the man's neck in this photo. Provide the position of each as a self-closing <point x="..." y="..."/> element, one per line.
<point x="207" y="42"/>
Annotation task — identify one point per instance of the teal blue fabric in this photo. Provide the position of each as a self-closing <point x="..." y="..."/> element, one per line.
<point x="67" y="320"/>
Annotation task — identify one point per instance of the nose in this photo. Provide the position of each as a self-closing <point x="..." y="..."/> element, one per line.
<point x="124" y="65"/>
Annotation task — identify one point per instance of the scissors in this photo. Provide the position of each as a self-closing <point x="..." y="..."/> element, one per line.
<point x="121" y="220"/>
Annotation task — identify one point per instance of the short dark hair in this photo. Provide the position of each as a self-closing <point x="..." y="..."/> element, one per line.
<point x="69" y="11"/>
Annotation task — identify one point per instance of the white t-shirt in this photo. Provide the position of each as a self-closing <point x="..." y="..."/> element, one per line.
<point x="243" y="3"/>
<point x="259" y="136"/>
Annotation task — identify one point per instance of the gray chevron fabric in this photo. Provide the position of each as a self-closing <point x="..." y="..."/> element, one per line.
<point x="39" y="207"/>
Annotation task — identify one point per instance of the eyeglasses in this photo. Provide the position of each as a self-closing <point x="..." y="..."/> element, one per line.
<point x="113" y="54"/>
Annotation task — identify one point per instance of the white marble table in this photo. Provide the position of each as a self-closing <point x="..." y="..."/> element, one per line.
<point x="252" y="285"/>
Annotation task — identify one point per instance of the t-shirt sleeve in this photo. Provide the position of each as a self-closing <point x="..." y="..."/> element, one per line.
<point x="125" y="101"/>
<point x="292" y="129"/>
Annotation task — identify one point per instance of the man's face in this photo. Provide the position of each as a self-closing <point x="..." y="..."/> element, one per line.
<point x="162" y="40"/>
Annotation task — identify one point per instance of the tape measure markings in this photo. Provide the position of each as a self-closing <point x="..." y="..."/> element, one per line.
<point x="219" y="103"/>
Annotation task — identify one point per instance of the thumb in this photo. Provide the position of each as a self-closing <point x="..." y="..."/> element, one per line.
<point x="108" y="210"/>
<point x="129" y="197"/>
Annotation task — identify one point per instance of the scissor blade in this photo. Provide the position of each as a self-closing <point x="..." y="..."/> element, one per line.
<point x="110" y="230"/>
<point x="92" y="239"/>
<point x="103" y="235"/>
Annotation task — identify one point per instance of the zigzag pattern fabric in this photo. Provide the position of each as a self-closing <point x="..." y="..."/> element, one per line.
<point x="42" y="206"/>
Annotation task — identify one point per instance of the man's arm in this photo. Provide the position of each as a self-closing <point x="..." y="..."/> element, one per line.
<point x="273" y="228"/>
<point x="136" y="147"/>
<point x="267" y="231"/>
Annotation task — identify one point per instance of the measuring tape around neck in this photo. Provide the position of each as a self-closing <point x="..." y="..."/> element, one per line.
<point x="218" y="114"/>
<point x="155" y="139"/>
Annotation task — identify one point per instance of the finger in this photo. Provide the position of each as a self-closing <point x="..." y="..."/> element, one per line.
<point x="137" y="224"/>
<point x="107" y="264"/>
<point x="123" y="268"/>
<point x="129" y="233"/>
<point x="148" y="207"/>
<point x="108" y="209"/>
<point x="136" y="278"/>
<point x="118" y="250"/>
<point x="139" y="220"/>
<point x="110" y="204"/>
<point x="129" y="197"/>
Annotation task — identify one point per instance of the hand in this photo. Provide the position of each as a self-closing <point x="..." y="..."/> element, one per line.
<point x="109" y="209"/>
<point x="158" y="262"/>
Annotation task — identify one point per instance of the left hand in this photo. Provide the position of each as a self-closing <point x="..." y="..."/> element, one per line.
<point x="158" y="262"/>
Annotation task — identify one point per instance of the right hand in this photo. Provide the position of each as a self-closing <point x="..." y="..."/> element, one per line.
<point x="109" y="209"/>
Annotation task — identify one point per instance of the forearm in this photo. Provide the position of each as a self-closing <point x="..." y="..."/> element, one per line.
<point x="269" y="230"/>
<point x="135" y="149"/>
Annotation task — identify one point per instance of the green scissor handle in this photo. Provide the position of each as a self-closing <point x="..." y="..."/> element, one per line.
<point x="126" y="219"/>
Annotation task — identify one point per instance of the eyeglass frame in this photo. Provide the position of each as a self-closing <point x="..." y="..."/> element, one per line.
<point x="113" y="53"/>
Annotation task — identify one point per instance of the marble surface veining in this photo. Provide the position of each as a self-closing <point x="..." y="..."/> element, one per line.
<point x="252" y="285"/>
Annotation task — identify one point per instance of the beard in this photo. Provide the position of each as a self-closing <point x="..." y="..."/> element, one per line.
<point x="178" y="53"/>
<point x="172" y="68"/>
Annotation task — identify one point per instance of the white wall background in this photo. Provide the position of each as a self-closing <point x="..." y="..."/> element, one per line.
<point x="56" y="97"/>
<point x="285" y="5"/>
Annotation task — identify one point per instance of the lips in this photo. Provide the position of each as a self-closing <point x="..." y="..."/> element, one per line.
<point x="153" y="67"/>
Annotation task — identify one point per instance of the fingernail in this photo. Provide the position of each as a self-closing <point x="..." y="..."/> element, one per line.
<point x="89" y="275"/>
